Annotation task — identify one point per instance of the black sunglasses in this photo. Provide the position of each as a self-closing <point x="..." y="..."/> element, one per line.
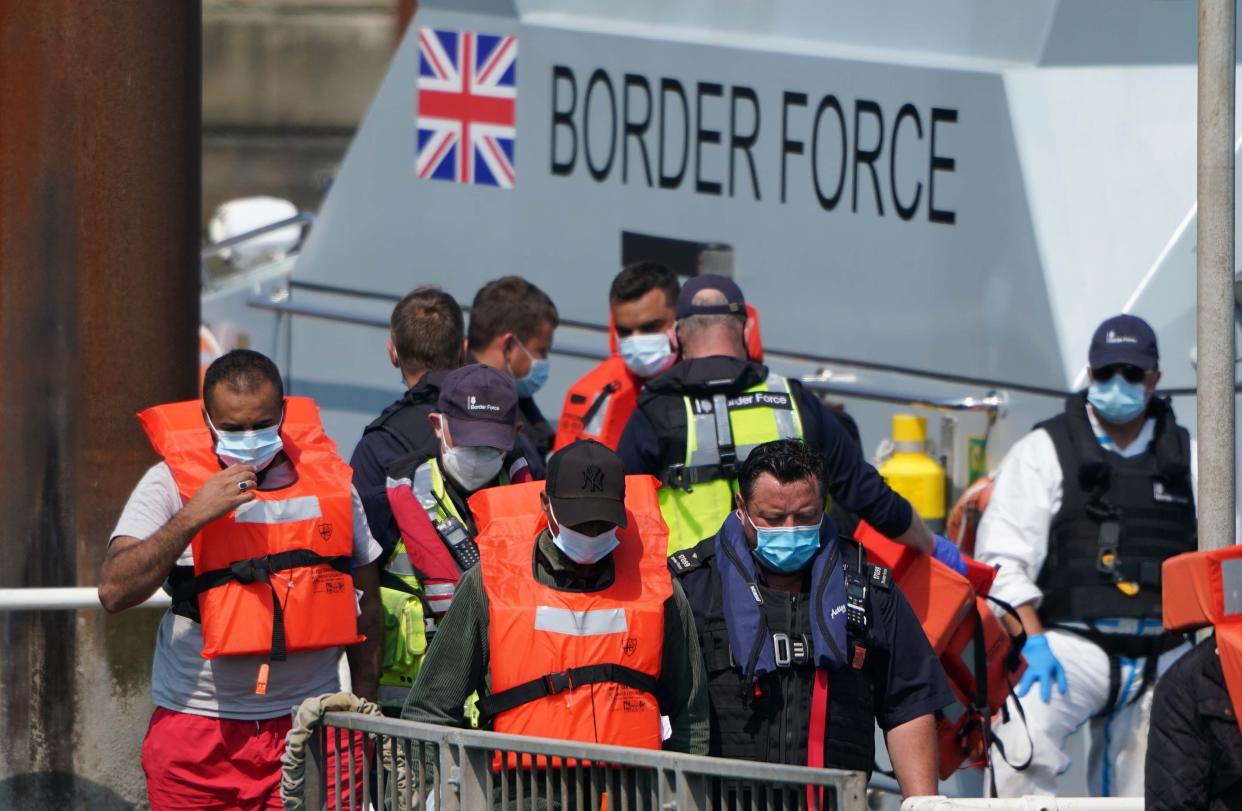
<point x="1132" y="374"/>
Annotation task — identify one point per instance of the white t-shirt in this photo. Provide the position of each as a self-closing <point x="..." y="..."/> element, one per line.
<point x="181" y="679"/>
<point x="1013" y="533"/>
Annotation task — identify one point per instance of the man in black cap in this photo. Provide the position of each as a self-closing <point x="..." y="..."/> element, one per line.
<point x="571" y="627"/>
<point x="696" y="423"/>
<point x="1084" y="511"/>
<point x="475" y="426"/>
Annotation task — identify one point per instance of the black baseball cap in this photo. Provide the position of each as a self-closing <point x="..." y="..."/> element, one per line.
<point x="586" y="482"/>
<point x="1124" y="339"/>
<point x="736" y="302"/>
<point x="480" y="404"/>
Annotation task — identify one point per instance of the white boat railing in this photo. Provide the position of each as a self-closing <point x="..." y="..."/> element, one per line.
<point x="1029" y="803"/>
<point x="68" y="598"/>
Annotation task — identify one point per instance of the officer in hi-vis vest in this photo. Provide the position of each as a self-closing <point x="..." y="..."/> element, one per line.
<point x="696" y="423"/>
<point x="1085" y="510"/>
<point x="476" y="428"/>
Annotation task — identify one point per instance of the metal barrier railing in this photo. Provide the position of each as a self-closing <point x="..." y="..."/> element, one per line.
<point x="360" y="762"/>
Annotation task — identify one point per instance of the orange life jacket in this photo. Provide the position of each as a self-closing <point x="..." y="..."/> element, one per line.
<point x="963" y="524"/>
<point x="571" y="665"/>
<point x="979" y="654"/>
<point x="940" y="597"/>
<point x="598" y="405"/>
<point x="274" y="576"/>
<point x="1205" y="588"/>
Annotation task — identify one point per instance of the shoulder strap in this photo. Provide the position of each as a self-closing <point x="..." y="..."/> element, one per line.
<point x="685" y="561"/>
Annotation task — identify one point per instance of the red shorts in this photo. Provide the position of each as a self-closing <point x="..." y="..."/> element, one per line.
<point x="196" y="763"/>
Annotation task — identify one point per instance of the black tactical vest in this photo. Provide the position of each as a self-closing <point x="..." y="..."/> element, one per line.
<point x="768" y="721"/>
<point x="1119" y="519"/>
<point x="406" y="419"/>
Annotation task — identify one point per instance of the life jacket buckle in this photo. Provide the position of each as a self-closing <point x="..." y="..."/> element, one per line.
<point x="249" y="570"/>
<point x="558" y="682"/>
<point x="800" y="647"/>
<point x="1106" y="561"/>
<point x="676" y="476"/>
<point x="783" y="650"/>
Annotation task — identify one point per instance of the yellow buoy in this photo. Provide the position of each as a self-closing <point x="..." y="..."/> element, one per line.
<point x="912" y="472"/>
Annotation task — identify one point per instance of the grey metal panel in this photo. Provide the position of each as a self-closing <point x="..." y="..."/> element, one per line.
<point x="964" y="298"/>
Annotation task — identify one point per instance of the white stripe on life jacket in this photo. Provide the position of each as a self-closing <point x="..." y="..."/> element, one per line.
<point x="580" y="623"/>
<point x="303" y="508"/>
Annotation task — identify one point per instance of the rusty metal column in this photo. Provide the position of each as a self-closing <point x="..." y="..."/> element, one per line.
<point x="1215" y="257"/>
<point x="99" y="232"/>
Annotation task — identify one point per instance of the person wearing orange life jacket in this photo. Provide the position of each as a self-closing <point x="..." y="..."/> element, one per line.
<point x="252" y="524"/>
<point x="807" y="646"/>
<point x="597" y="607"/>
<point x="641" y="300"/>
<point x="475" y="425"/>
<point x="1194" y="743"/>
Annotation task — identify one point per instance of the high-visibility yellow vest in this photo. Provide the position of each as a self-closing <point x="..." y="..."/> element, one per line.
<point x="697" y="494"/>
<point x="406" y="623"/>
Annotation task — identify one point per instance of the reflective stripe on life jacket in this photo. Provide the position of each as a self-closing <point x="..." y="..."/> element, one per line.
<point x="275" y="575"/>
<point x="721" y="431"/>
<point x="598" y="405"/>
<point x="570" y="665"/>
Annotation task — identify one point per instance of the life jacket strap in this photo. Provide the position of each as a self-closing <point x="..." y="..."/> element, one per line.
<point x="554" y="683"/>
<point x="260" y="570"/>
<point x="1146" y="573"/>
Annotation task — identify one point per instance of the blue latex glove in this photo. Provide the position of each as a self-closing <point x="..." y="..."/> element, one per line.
<point x="1042" y="667"/>
<point x="947" y="554"/>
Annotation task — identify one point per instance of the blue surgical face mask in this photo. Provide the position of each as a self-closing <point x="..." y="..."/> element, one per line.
<point x="535" y="378"/>
<point x="257" y="448"/>
<point x="647" y="355"/>
<point x="584" y="549"/>
<point x="1116" y="400"/>
<point x="786" y="549"/>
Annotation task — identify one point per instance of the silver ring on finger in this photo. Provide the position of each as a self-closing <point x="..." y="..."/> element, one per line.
<point x="243" y="486"/>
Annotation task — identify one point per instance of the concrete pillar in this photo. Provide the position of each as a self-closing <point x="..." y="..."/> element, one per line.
<point x="99" y="281"/>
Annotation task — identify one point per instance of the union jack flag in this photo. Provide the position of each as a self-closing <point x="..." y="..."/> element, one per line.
<point x="467" y="100"/>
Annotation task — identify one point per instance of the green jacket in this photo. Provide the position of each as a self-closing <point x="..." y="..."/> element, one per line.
<point x="456" y="663"/>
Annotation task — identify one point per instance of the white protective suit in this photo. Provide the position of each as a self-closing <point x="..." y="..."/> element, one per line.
<point x="1013" y="535"/>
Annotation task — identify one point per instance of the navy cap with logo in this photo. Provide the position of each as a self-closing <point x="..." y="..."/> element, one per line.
<point x="480" y="404"/>
<point x="586" y="482"/>
<point x="1124" y="339"/>
<point x="735" y="302"/>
